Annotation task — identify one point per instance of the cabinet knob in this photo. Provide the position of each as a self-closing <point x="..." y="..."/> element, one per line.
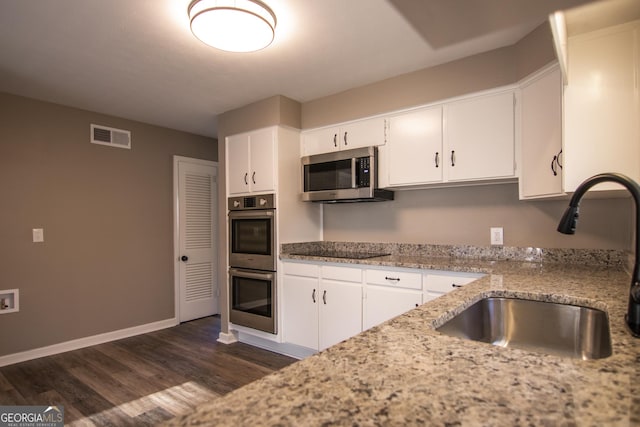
<point x="184" y="258"/>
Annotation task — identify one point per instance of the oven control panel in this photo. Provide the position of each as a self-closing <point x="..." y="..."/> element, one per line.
<point x="262" y="201"/>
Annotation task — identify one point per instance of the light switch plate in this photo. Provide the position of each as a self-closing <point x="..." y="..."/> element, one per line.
<point x="38" y="235"/>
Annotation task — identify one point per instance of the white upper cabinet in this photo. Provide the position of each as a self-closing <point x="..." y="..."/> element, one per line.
<point x="602" y="111"/>
<point x="251" y="162"/>
<point x="363" y="133"/>
<point x="415" y="147"/>
<point x="479" y="138"/>
<point x="465" y="140"/>
<point x="541" y="135"/>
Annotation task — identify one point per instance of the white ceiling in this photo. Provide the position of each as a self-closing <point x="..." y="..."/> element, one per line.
<point x="138" y="59"/>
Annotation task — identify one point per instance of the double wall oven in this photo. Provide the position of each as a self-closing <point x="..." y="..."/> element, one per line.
<point x="252" y="262"/>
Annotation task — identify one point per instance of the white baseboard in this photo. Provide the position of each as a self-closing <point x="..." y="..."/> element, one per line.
<point x="229" y="338"/>
<point x="86" y="342"/>
<point x="287" y="349"/>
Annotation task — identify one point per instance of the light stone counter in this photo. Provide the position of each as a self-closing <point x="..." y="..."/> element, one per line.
<point x="403" y="372"/>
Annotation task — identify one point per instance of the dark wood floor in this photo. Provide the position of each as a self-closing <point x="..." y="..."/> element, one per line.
<point x="141" y="380"/>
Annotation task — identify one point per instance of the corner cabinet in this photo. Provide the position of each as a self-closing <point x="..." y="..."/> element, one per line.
<point x="541" y="135"/>
<point x="602" y="111"/>
<point x="362" y="133"/>
<point x="251" y="161"/>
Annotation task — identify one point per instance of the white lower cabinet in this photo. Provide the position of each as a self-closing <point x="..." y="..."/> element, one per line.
<point x="322" y="305"/>
<point x="437" y="283"/>
<point x="340" y="310"/>
<point x="389" y="293"/>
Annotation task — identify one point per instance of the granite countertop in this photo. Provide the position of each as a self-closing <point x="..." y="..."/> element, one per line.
<point x="404" y="372"/>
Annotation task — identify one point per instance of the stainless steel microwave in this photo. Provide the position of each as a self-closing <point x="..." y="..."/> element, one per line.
<point x="343" y="176"/>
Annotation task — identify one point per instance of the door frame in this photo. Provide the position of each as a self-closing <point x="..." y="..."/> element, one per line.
<point x="176" y="229"/>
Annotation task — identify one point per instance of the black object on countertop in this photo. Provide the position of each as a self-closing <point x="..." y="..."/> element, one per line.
<point x="568" y="226"/>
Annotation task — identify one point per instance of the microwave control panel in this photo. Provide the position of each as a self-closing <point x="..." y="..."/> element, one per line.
<point x="363" y="172"/>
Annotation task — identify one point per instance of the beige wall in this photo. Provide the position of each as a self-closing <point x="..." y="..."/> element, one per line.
<point x="107" y="259"/>
<point x="463" y="215"/>
<point x="476" y="73"/>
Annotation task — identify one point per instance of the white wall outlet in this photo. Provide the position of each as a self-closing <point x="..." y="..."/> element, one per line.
<point x="38" y="235"/>
<point x="497" y="236"/>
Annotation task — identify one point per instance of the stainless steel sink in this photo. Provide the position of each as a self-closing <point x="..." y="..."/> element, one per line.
<point x="552" y="328"/>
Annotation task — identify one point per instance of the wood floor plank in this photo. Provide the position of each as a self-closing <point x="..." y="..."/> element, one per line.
<point x="141" y="380"/>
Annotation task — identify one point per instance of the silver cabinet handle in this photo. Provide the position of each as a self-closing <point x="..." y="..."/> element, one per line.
<point x="453" y="158"/>
<point x="324" y="297"/>
<point x="313" y="296"/>
<point x="394" y="279"/>
<point x="437" y="159"/>
<point x="245" y="178"/>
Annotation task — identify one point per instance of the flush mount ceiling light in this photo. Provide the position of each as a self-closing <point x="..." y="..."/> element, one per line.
<point x="233" y="25"/>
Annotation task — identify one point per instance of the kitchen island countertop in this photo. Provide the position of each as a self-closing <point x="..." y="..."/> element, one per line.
<point x="404" y="372"/>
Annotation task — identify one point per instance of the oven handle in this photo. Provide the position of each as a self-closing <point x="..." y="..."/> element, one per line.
<point x="252" y="274"/>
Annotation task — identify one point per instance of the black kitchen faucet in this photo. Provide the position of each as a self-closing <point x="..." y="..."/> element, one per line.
<point x="568" y="226"/>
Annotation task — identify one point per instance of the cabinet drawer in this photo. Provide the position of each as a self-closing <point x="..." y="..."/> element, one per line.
<point x="343" y="274"/>
<point x="441" y="283"/>
<point x="398" y="279"/>
<point x="301" y="269"/>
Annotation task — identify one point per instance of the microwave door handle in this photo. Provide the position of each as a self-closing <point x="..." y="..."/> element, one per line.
<point x="353" y="172"/>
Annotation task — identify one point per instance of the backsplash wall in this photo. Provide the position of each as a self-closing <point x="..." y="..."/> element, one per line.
<point x="463" y="216"/>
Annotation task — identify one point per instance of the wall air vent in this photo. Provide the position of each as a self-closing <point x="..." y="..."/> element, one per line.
<point x="110" y="136"/>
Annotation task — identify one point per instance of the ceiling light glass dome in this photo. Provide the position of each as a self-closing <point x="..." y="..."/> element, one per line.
<point x="233" y="25"/>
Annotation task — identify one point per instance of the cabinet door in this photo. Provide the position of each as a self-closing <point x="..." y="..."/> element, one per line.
<point x="238" y="164"/>
<point x="320" y="141"/>
<point x="384" y="303"/>
<point x="479" y="138"/>
<point x="262" y="160"/>
<point x="363" y="133"/>
<point x="415" y="147"/>
<point x="601" y="106"/>
<point x="436" y="284"/>
<point x="541" y="136"/>
<point x="300" y="312"/>
<point x="340" y="312"/>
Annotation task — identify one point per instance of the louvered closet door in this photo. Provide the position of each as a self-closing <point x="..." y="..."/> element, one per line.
<point x="197" y="229"/>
